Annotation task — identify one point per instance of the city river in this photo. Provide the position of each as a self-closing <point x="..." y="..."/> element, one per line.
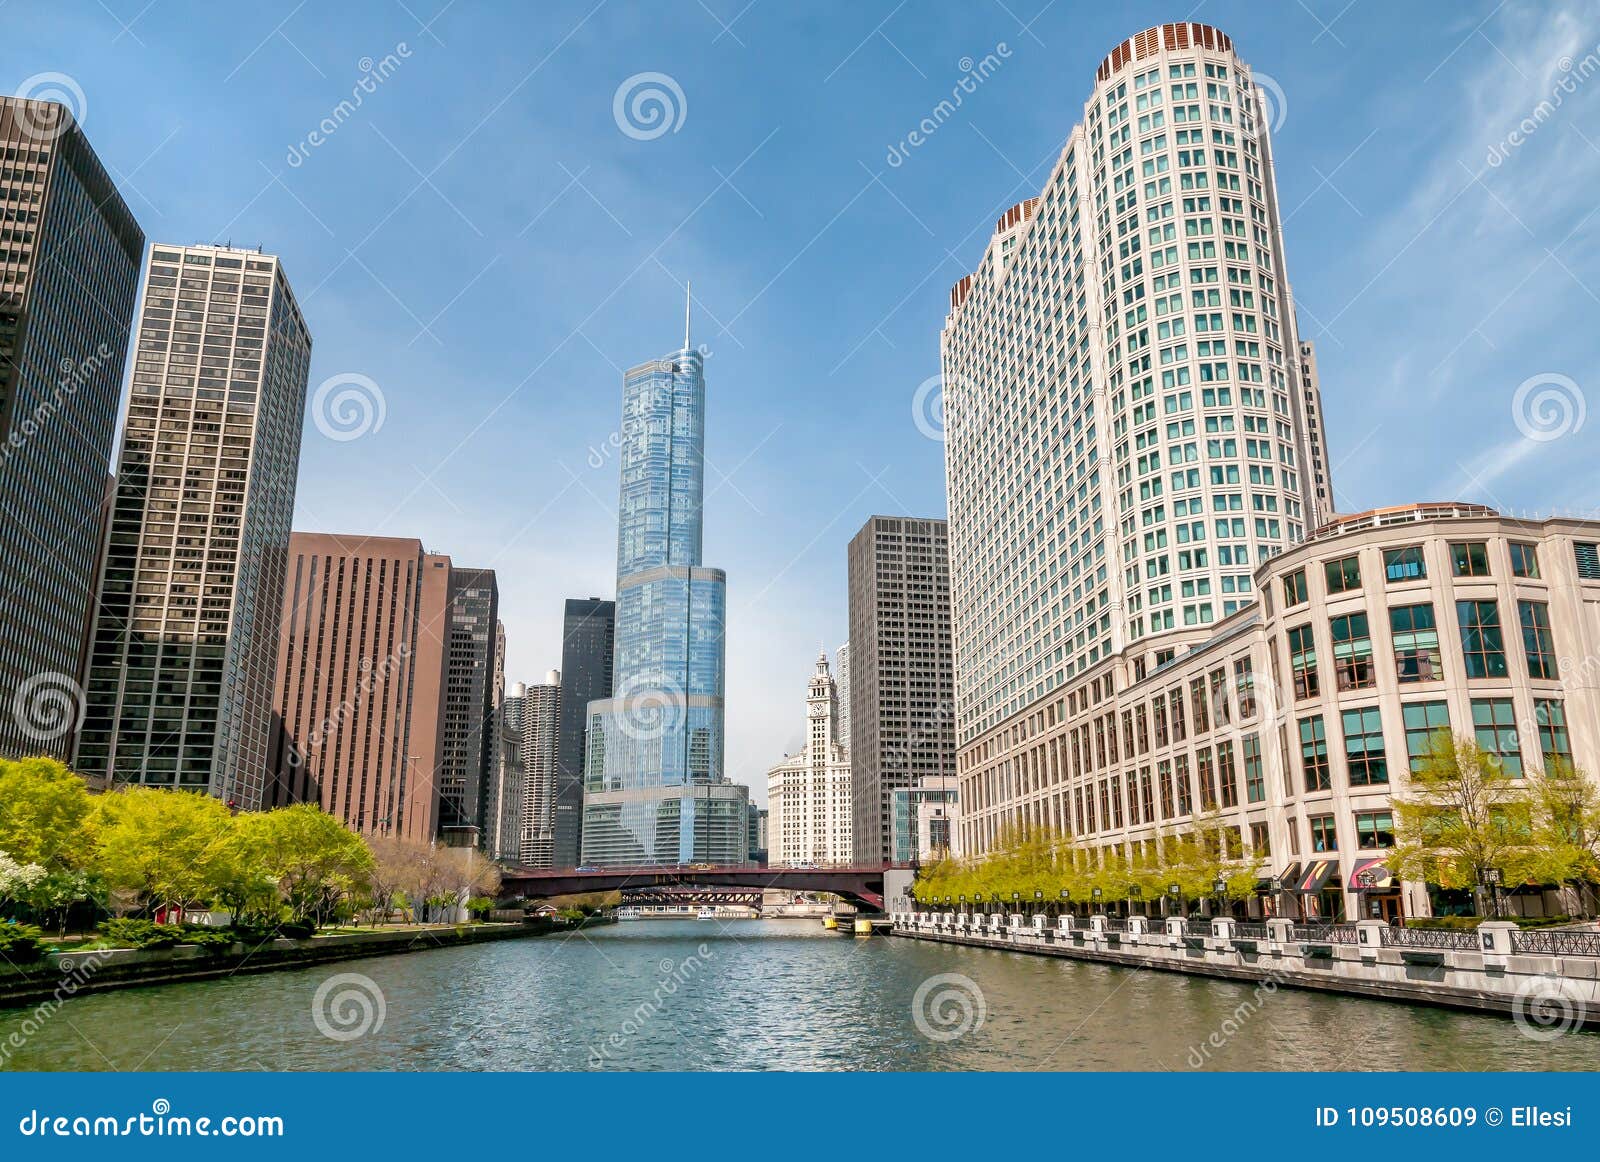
<point x="752" y="995"/>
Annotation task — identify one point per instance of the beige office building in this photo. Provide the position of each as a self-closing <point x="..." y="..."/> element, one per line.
<point x="1298" y="716"/>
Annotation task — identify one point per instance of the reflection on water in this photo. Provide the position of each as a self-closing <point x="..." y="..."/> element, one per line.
<point x="753" y="995"/>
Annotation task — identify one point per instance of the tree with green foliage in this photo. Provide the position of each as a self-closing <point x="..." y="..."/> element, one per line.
<point x="164" y="848"/>
<point x="1461" y="815"/>
<point x="316" y="862"/>
<point x="1565" y="835"/>
<point x="46" y="815"/>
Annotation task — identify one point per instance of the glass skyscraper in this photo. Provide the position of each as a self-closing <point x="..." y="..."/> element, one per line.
<point x="654" y="789"/>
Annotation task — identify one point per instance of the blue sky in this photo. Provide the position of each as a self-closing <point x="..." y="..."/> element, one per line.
<point x="483" y="242"/>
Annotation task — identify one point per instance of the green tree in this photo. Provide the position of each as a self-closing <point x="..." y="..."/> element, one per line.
<point x="1460" y="816"/>
<point x="316" y="862"/>
<point x="45" y="815"/>
<point x="1565" y="831"/>
<point x="164" y="848"/>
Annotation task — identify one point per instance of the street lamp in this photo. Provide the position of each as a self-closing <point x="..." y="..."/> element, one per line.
<point x="1220" y="887"/>
<point x="1096" y="894"/>
<point x="1492" y="878"/>
<point x="1175" y="894"/>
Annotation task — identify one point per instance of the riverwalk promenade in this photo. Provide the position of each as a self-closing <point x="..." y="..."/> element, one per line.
<point x="1546" y="979"/>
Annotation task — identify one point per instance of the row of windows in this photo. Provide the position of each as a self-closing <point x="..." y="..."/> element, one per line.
<point x="1415" y="640"/>
<point x="1494" y="726"/>
<point x="1467" y="559"/>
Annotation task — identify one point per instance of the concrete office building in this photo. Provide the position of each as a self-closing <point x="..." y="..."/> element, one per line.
<point x="503" y="798"/>
<point x="186" y="630"/>
<point x="1320" y="470"/>
<point x="808" y="794"/>
<point x="588" y="638"/>
<point x="359" y="696"/>
<point x="902" y="683"/>
<point x="841" y="659"/>
<point x="1296" y="717"/>
<point x="70" y="252"/>
<point x="540" y="743"/>
<point x="1120" y="472"/>
<point x="470" y="747"/>
<point x="1127" y="437"/>
<point x="922" y="821"/>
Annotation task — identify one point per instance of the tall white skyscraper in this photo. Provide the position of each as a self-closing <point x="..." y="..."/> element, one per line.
<point x="186" y="629"/>
<point x="809" y="805"/>
<point x="1126" y="434"/>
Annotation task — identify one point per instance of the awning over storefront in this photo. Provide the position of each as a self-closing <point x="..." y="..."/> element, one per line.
<point x="1316" y="876"/>
<point x="1287" y="878"/>
<point x="1370" y="875"/>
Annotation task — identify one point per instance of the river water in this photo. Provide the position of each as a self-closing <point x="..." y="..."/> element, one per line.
<point x="755" y="995"/>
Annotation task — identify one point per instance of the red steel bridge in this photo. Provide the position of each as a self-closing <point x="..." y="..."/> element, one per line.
<point x="862" y="886"/>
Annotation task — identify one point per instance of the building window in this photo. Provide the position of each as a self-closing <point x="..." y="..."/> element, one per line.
<point x="1245" y="682"/>
<point x="1185" y="795"/>
<point x="1423" y="720"/>
<point x="1255" y="781"/>
<point x="1524" y="560"/>
<point x="1416" y="643"/>
<point x="1482" y="643"/>
<point x="1404" y="564"/>
<point x="1494" y="722"/>
<point x="1536" y="640"/>
<point x="1208" y="779"/>
<point x="1323" y="835"/>
<point x="1470" y="559"/>
<point x="1303" y="661"/>
<point x="1586" y="556"/>
<point x="1261" y="840"/>
<point x="1363" y="747"/>
<point x="1352" y="652"/>
<point x="1294" y="589"/>
<point x="1227" y="778"/>
<point x="1551" y="717"/>
<point x="1343" y="575"/>
<point x="1314" y="753"/>
<point x="1197" y="702"/>
<point x="1374" y="830"/>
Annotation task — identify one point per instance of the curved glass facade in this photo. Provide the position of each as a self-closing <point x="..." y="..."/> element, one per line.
<point x="654" y="789"/>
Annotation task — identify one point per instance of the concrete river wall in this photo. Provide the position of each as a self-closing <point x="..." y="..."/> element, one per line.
<point x="1549" y="980"/>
